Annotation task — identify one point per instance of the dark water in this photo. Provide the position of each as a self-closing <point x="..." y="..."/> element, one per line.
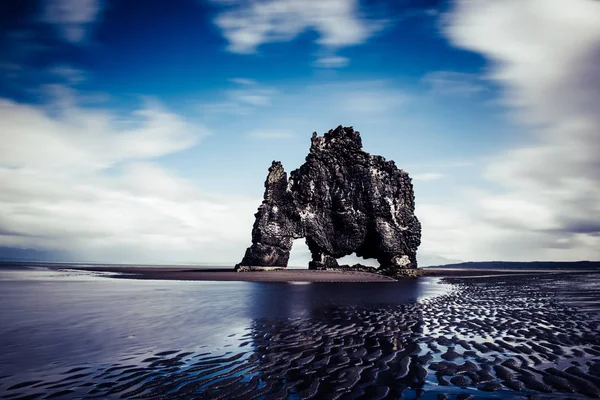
<point x="68" y="334"/>
<point x="52" y="320"/>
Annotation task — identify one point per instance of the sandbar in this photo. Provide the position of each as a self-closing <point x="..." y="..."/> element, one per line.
<point x="194" y="274"/>
<point x="289" y="275"/>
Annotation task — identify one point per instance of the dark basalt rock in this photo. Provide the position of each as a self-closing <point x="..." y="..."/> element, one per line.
<point x="343" y="201"/>
<point x="276" y="225"/>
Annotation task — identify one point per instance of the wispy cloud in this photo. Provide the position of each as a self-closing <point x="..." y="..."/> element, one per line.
<point x="332" y="62"/>
<point x="72" y="18"/>
<point x="71" y="75"/>
<point x="545" y="205"/>
<point x="254" y="98"/>
<point x="248" y="25"/>
<point x="87" y="182"/>
<point x="243" y="81"/>
<point x="454" y="83"/>
<point x="143" y="214"/>
<point x="63" y="134"/>
<point x="244" y="98"/>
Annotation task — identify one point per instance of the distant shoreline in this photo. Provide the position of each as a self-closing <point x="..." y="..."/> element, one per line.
<point x="532" y="265"/>
<point x="291" y="275"/>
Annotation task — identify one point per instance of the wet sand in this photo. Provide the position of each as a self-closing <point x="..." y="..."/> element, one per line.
<point x="191" y="274"/>
<point x="490" y="337"/>
<point x="451" y="272"/>
<point x="289" y="275"/>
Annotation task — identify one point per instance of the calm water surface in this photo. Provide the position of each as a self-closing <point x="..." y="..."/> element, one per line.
<point x="52" y="319"/>
<point x="69" y="335"/>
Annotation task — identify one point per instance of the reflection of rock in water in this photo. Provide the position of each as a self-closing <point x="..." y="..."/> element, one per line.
<point x="342" y="351"/>
<point x="296" y="300"/>
<point x="508" y="335"/>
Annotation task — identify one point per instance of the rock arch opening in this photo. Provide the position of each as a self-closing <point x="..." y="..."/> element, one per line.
<point x="353" y="259"/>
<point x="299" y="255"/>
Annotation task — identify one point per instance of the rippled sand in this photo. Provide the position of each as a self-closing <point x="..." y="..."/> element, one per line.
<point x="534" y="336"/>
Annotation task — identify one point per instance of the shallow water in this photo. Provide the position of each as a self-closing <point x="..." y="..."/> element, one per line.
<point x="72" y="334"/>
<point x="53" y="319"/>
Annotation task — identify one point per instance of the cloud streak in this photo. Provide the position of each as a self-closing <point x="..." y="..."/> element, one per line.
<point x="83" y="181"/>
<point x="246" y="96"/>
<point x="70" y="75"/>
<point x="65" y="135"/>
<point x="332" y="62"/>
<point x="544" y="55"/>
<point x="451" y="83"/>
<point x="143" y="214"/>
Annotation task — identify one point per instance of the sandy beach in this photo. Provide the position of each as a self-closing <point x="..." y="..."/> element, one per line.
<point x="290" y="275"/>
<point x="193" y="274"/>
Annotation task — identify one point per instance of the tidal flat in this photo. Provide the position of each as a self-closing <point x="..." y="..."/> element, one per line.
<point x="70" y="334"/>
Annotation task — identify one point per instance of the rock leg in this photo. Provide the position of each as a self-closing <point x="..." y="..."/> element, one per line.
<point x="321" y="260"/>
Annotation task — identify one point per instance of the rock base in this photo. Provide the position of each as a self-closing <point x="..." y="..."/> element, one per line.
<point x="395" y="273"/>
<point x="408" y="273"/>
<point x="249" y="268"/>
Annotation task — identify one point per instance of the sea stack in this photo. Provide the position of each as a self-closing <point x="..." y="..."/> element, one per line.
<point x="343" y="201"/>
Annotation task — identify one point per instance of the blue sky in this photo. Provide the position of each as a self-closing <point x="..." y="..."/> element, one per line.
<point x="143" y="133"/>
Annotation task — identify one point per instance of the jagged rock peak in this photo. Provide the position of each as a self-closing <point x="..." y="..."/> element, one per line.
<point x="339" y="137"/>
<point x="276" y="181"/>
<point x="343" y="201"/>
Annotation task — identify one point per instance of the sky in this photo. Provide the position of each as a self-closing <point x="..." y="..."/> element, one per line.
<point x="142" y="132"/>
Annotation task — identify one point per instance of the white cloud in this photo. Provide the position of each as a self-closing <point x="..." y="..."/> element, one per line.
<point x="73" y="18"/>
<point x="67" y="136"/>
<point x="144" y="214"/>
<point x="546" y="203"/>
<point x="332" y="62"/>
<point x="538" y="48"/>
<point x="249" y="24"/>
<point x="83" y="181"/>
